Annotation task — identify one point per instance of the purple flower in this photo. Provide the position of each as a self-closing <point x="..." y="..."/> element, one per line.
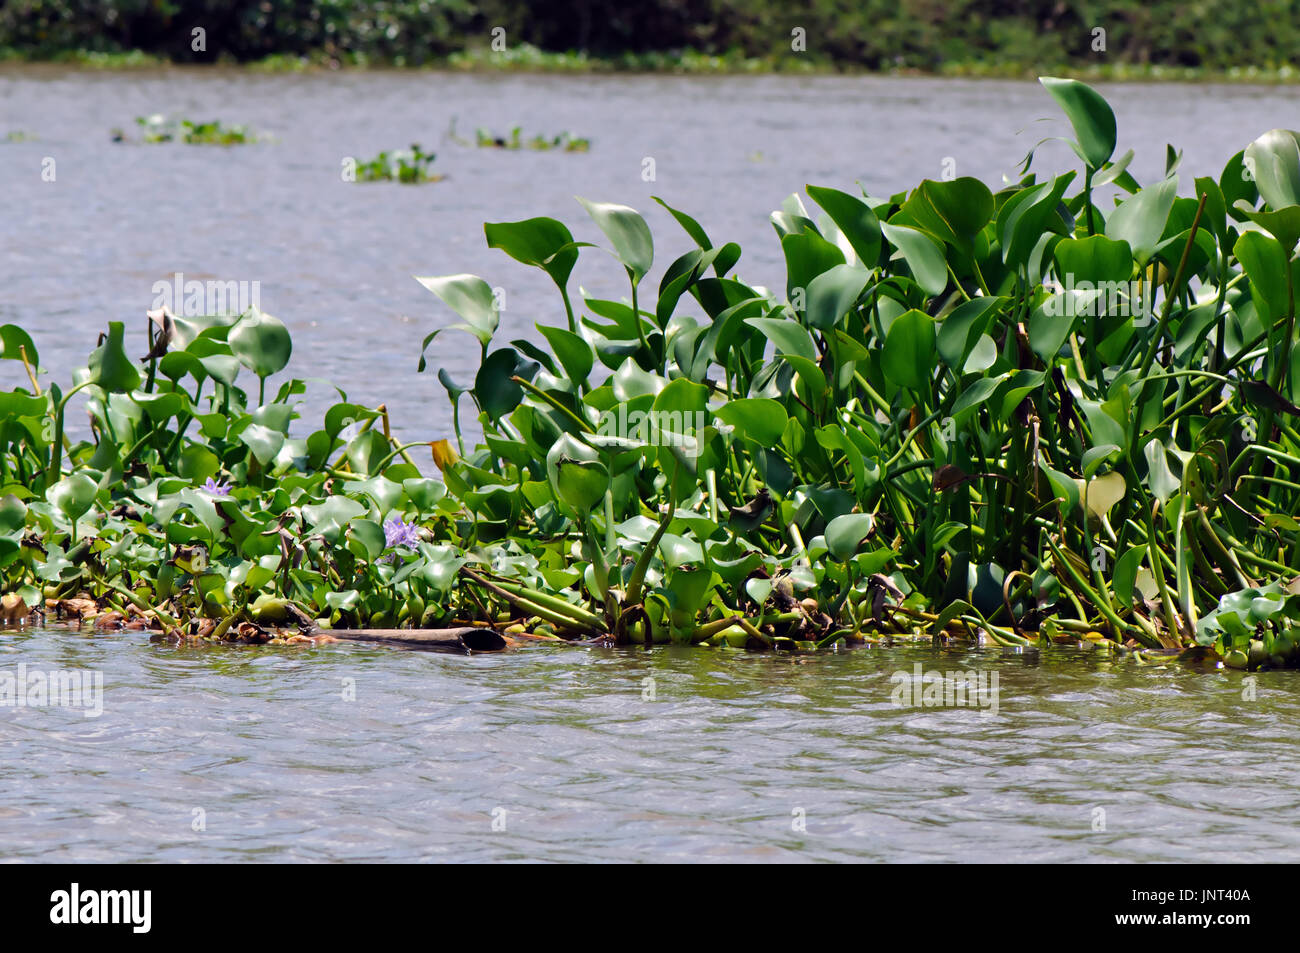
<point x="217" y="489"/>
<point x="400" y="533"/>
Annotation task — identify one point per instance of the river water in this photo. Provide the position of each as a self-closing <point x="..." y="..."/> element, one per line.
<point x="220" y="753"/>
<point x="570" y="754"/>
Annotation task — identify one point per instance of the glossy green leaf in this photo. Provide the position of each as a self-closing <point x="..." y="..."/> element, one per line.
<point x="923" y="256"/>
<point x="1274" y="160"/>
<point x="909" y="352"/>
<point x="1090" y="115"/>
<point x="627" y="232"/>
<point x="261" y="343"/>
<point x="541" y="242"/>
<point x="110" y="368"/>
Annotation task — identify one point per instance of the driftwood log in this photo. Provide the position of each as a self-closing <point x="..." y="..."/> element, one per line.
<point x="464" y="639"/>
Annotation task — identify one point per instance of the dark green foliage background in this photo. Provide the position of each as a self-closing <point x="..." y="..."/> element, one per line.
<point x="872" y="34"/>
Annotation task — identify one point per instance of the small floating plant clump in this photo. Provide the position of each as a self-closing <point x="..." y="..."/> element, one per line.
<point x="159" y="129"/>
<point x="1026" y="418"/>
<point x="488" y="139"/>
<point x="409" y="166"/>
<point x="563" y="142"/>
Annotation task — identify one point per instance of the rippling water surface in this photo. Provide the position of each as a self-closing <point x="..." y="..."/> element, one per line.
<point x="562" y="745"/>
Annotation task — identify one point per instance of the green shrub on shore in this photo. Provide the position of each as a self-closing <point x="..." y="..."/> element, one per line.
<point x="973" y="36"/>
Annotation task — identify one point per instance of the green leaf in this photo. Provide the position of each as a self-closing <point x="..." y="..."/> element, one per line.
<point x="788" y="337"/>
<point x="13" y="513"/>
<point x="197" y="463"/>
<point x="854" y="218"/>
<point x="807" y="255"/>
<point x="963" y="326"/>
<point x="1124" y="579"/>
<point x="263" y="441"/>
<point x="366" y="451"/>
<point x="691" y="227"/>
<point x="923" y="256"/>
<point x="541" y="242"/>
<point x="1274" y="159"/>
<point x="424" y="493"/>
<point x="845" y="534"/>
<point x="1090" y="115"/>
<point x="1095" y="258"/>
<point x="14" y="342"/>
<point x="1053" y="319"/>
<point x="1265" y="264"/>
<point x="955" y="211"/>
<point x="345" y="600"/>
<point x="1064" y="489"/>
<point x="1140" y="219"/>
<point x="1160" y="479"/>
<point x="494" y="388"/>
<point x="832" y="293"/>
<point x="573" y="351"/>
<point x="261" y="342"/>
<point x="581" y="484"/>
<point x="627" y="232"/>
<point x="757" y="419"/>
<point x="471" y="298"/>
<point x="110" y="368"/>
<point x="1026" y="218"/>
<point x="370" y="535"/>
<point x="1283" y="224"/>
<point x="385" y="492"/>
<point x="74" y="495"/>
<point x="330" y="517"/>
<point x="909" y="353"/>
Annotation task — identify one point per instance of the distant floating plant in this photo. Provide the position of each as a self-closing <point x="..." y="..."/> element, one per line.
<point x="485" y="138"/>
<point x="158" y="128"/>
<point x="408" y="166"/>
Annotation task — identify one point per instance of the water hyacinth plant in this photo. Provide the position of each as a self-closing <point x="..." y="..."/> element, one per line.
<point x="1024" y="416"/>
<point x="487" y="139"/>
<point x="408" y="166"/>
<point x="158" y="128"/>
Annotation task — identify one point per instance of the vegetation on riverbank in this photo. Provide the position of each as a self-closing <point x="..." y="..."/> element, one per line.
<point x="1110" y="38"/>
<point x="1020" y="417"/>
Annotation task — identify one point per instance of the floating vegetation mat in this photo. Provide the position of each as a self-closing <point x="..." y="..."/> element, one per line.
<point x="409" y="166"/>
<point x="1020" y="417"/>
<point x="515" y="139"/>
<point x="159" y="128"/>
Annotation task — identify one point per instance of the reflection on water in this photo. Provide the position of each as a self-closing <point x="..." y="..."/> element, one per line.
<point x="737" y="757"/>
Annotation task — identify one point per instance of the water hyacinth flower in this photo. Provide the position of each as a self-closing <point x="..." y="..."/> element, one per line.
<point x="397" y="532"/>
<point x="215" y="488"/>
